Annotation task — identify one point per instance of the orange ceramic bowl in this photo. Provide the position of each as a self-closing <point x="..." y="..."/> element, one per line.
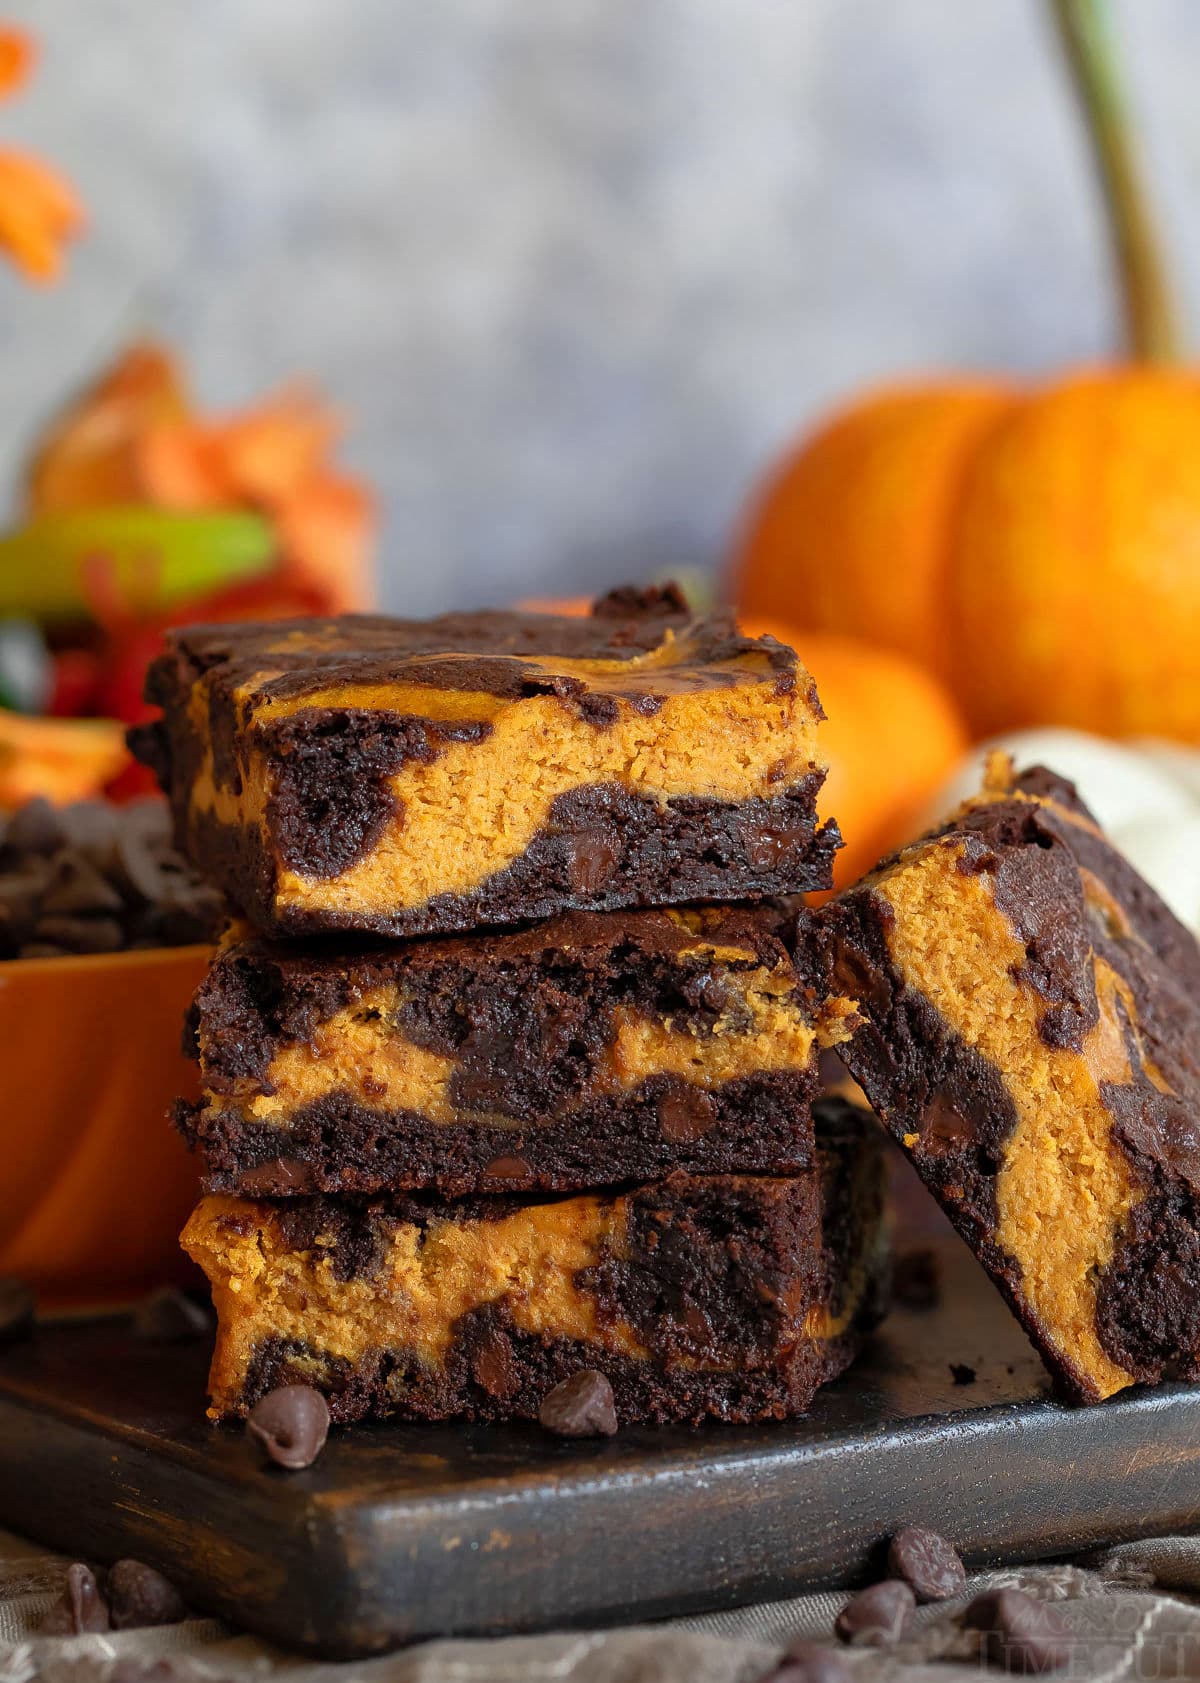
<point x="94" y="1182"/>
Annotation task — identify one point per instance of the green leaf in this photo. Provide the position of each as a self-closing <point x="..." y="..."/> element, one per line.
<point x="138" y="560"/>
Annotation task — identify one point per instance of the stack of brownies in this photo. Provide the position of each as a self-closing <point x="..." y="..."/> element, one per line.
<point x="511" y="1070"/>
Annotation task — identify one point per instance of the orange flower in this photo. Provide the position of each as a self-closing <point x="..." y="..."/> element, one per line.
<point x="135" y="437"/>
<point x="39" y="210"/>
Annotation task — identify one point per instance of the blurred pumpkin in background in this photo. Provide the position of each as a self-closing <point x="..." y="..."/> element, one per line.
<point x="892" y="735"/>
<point x="1039" y="549"/>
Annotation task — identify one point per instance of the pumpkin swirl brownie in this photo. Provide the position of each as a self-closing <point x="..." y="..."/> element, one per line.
<point x="413" y="777"/>
<point x="723" y="1295"/>
<point x="1030" y="1032"/>
<point x="593" y="1049"/>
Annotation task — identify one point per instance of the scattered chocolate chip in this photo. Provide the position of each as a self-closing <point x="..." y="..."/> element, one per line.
<point x="169" y="1316"/>
<point x="1018" y="1632"/>
<point x="81" y="1611"/>
<point x="16" y="1309"/>
<point x="926" y="1562"/>
<point x="580" y="1407"/>
<point x="809" y="1662"/>
<point x="917" y="1280"/>
<point x="140" y="1596"/>
<point x="98" y="878"/>
<point x="962" y="1373"/>
<point x="877" y="1617"/>
<point x="291" y="1424"/>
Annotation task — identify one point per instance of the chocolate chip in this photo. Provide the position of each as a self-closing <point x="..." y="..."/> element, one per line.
<point x="81" y="1611"/>
<point x="928" y="1564"/>
<point x="945" y="1128"/>
<point x="168" y="1316"/>
<point x="492" y="1365"/>
<point x="514" y="1169"/>
<point x="809" y="1662"/>
<point x="593" y="859"/>
<point x="685" y="1114"/>
<point x="16" y="1309"/>
<point x="278" y="1175"/>
<point x="962" y="1373"/>
<point x="291" y="1424"/>
<point x="140" y="1596"/>
<point x="1018" y="1632"/>
<point x="769" y="846"/>
<point x="917" y="1280"/>
<point x="77" y="886"/>
<point x="580" y="1407"/>
<point x="877" y="1617"/>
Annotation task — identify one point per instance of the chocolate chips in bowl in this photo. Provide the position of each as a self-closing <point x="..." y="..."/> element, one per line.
<point x="105" y="935"/>
<point x="98" y="878"/>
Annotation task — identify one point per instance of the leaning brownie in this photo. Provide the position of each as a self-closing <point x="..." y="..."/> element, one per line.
<point x="725" y="1296"/>
<point x="1030" y="1032"/>
<point x="409" y="777"/>
<point x="596" y="1048"/>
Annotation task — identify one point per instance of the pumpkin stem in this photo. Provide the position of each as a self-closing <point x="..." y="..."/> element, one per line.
<point x="1151" y="321"/>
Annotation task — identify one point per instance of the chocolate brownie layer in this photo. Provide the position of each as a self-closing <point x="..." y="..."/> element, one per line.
<point x="409" y="777"/>
<point x="595" y="1049"/>
<point x="1030" y="1032"/>
<point x="725" y="1296"/>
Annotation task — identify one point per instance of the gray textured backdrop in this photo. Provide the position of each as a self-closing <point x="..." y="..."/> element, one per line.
<point x="575" y="267"/>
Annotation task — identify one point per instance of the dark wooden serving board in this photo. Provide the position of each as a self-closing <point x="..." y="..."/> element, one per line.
<point x="404" y="1532"/>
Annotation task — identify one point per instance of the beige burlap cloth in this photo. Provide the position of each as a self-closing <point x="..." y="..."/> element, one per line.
<point x="1134" y="1613"/>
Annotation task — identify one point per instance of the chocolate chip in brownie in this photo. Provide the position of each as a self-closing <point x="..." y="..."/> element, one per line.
<point x="169" y="1316"/>
<point x="514" y="1171"/>
<point x="16" y="1309"/>
<point x="926" y="1562"/>
<point x="877" y="1617"/>
<point x="686" y="1114"/>
<point x="580" y="1407"/>
<point x="81" y="1610"/>
<point x="1018" y="1632"/>
<point x="139" y="1596"/>
<point x="962" y="1373"/>
<point x="291" y="1424"/>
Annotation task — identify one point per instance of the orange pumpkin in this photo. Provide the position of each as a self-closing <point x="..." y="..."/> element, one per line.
<point x="1039" y="548"/>
<point x="892" y="736"/>
<point x="1039" y="551"/>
